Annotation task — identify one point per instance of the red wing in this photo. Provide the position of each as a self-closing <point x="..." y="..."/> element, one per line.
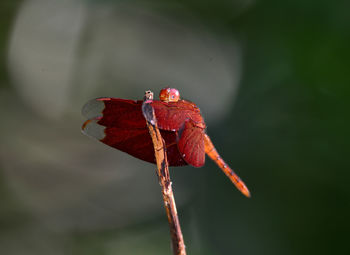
<point x="115" y="112"/>
<point x="120" y="124"/>
<point x="173" y="115"/>
<point x="191" y="144"/>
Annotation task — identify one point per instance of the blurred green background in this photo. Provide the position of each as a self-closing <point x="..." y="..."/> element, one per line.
<point x="271" y="79"/>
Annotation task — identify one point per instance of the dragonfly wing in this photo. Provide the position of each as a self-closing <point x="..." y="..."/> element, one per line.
<point x="120" y="124"/>
<point x="115" y="112"/>
<point x="173" y="115"/>
<point x="191" y="143"/>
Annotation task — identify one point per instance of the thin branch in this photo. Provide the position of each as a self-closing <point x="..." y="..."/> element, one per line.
<point x="178" y="244"/>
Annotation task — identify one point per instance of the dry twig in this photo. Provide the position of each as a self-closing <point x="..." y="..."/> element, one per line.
<point x="178" y="244"/>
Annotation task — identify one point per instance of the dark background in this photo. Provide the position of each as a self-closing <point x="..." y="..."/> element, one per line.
<point x="272" y="80"/>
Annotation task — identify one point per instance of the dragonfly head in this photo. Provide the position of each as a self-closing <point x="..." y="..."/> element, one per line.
<point x="169" y="95"/>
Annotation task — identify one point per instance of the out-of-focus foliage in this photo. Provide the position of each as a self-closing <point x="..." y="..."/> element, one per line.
<point x="7" y="12"/>
<point x="270" y="77"/>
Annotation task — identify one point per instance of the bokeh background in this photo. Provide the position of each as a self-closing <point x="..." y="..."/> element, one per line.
<point x="271" y="78"/>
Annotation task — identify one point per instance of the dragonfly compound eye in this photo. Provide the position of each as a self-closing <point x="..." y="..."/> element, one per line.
<point x="169" y="95"/>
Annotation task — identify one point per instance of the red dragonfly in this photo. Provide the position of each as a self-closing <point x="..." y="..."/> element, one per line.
<point x="120" y="123"/>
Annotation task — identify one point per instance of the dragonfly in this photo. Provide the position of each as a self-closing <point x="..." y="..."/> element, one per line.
<point x="120" y="124"/>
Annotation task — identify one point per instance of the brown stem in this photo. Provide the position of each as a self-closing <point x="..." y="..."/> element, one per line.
<point x="177" y="240"/>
